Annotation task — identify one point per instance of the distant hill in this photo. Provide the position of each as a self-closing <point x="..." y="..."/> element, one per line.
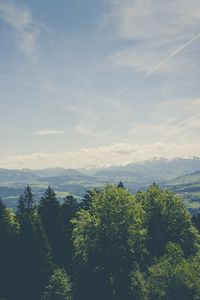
<point x="17" y="175"/>
<point x="12" y="182"/>
<point x="182" y="175"/>
<point x="188" y="179"/>
<point x="188" y="187"/>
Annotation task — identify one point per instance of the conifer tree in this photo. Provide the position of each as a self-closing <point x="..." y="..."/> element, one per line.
<point x="26" y="206"/>
<point x="121" y="185"/>
<point x="49" y="215"/>
<point x="44" y="264"/>
<point x="68" y="210"/>
<point x="59" y="287"/>
<point x="35" y="257"/>
<point x="87" y="198"/>
<point x="4" y="242"/>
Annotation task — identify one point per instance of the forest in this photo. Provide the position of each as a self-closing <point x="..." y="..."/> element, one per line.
<point x="112" y="245"/>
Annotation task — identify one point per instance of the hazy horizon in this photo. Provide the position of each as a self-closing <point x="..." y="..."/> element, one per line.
<point x="96" y="82"/>
<point x="99" y="166"/>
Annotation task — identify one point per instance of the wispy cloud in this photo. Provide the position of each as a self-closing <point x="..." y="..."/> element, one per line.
<point x="87" y="131"/>
<point x="168" y="122"/>
<point x="49" y="132"/>
<point x="20" y="19"/>
<point x="158" y="31"/>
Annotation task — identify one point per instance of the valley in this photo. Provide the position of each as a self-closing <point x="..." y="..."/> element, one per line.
<point x="181" y="175"/>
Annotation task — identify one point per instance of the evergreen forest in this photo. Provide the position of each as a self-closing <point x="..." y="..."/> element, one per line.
<point x="112" y="245"/>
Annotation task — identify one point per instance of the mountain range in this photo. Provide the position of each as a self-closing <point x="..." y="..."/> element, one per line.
<point x="182" y="175"/>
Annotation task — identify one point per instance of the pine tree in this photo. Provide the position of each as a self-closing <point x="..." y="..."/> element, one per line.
<point x="4" y="240"/>
<point x="67" y="212"/>
<point x="49" y="215"/>
<point x="35" y="259"/>
<point x="44" y="264"/>
<point x="87" y="198"/>
<point x="59" y="287"/>
<point x="121" y="185"/>
<point x="8" y="252"/>
<point x="26" y="206"/>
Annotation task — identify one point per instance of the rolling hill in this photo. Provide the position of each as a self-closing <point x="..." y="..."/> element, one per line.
<point x="182" y="175"/>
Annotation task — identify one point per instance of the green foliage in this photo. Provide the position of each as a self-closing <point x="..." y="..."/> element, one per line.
<point x="4" y="242"/>
<point x="87" y="198"/>
<point x="113" y="245"/>
<point x="42" y="252"/>
<point x="34" y="252"/>
<point x="110" y="236"/>
<point x="167" y="220"/>
<point x="114" y="224"/>
<point x="49" y="210"/>
<point x="67" y="212"/>
<point x="8" y="238"/>
<point x="49" y="215"/>
<point x="138" y="286"/>
<point x="121" y="185"/>
<point x="26" y="206"/>
<point x="173" y="277"/>
<point x="34" y="259"/>
<point x="59" y="287"/>
<point x="196" y="221"/>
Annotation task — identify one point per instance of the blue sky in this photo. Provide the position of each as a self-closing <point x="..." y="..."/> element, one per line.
<point x="97" y="82"/>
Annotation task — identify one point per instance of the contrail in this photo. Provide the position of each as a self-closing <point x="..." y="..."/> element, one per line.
<point x="168" y="57"/>
<point x="156" y="67"/>
<point x="123" y="90"/>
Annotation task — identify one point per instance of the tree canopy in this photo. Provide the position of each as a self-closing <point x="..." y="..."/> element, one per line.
<point x="112" y="245"/>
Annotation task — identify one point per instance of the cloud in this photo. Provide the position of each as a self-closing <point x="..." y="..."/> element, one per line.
<point x="86" y="131"/>
<point x="191" y="123"/>
<point x="158" y="30"/>
<point x="117" y="154"/>
<point x="21" y="21"/>
<point x="49" y="132"/>
<point x="139" y="19"/>
<point x="169" y="121"/>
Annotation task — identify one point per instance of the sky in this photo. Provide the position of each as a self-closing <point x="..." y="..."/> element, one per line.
<point x="98" y="82"/>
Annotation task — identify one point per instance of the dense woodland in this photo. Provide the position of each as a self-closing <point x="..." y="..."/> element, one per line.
<point x="111" y="245"/>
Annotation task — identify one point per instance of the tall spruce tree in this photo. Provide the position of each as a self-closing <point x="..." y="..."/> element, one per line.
<point x="49" y="214"/>
<point x="68" y="210"/>
<point x="35" y="257"/>
<point x="9" y="229"/>
<point x="59" y="287"/>
<point x="4" y="244"/>
<point x="44" y="264"/>
<point x="26" y="206"/>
